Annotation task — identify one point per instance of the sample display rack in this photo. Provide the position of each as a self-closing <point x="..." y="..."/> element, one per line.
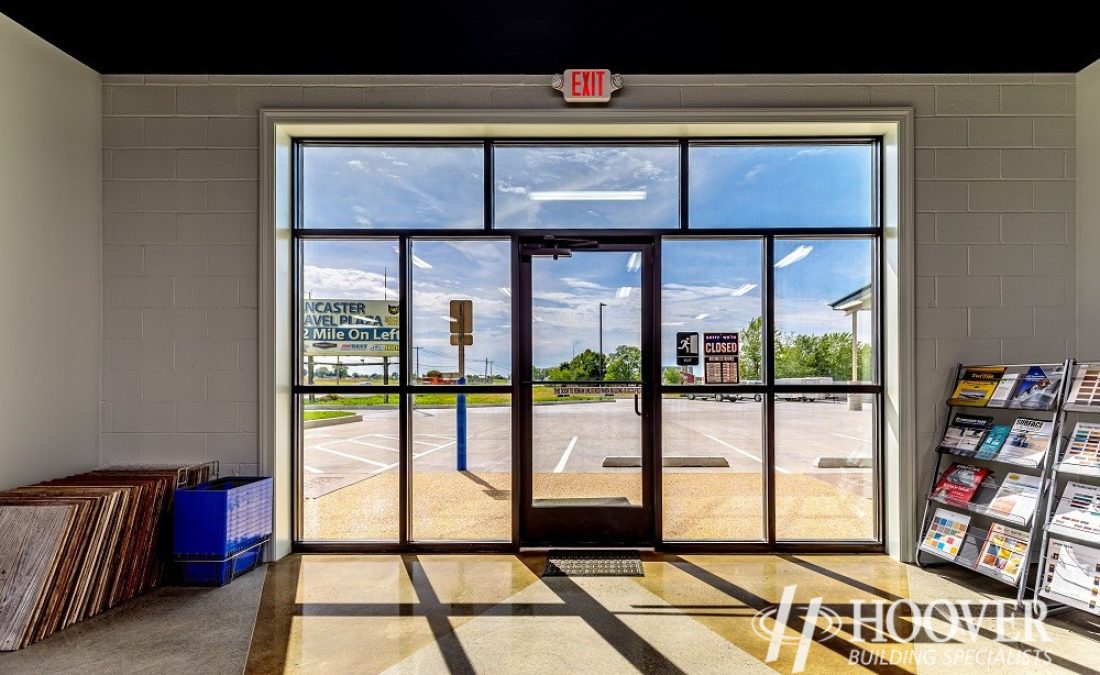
<point x="947" y="522"/>
<point x="1069" y="573"/>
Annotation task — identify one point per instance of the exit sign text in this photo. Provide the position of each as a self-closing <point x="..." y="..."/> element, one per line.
<point x="587" y="85"/>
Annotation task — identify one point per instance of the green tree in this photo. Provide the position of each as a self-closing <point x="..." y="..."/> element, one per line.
<point x="588" y="365"/>
<point x="802" y="355"/>
<point x="433" y="373"/>
<point x="751" y="358"/>
<point x="340" y="370"/>
<point x="625" y="363"/>
<point x="672" y="375"/>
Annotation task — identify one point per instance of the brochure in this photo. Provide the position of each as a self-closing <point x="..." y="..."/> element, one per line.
<point x="1017" y="497"/>
<point x="1072" y="574"/>
<point x="959" y="483"/>
<point x="1003" y="392"/>
<point x="946" y="533"/>
<point x="976" y="385"/>
<point x="1078" y="512"/>
<point x="994" y="439"/>
<point x="1004" y="552"/>
<point x="1037" y="389"/>
<point x="1083" y="453"/>
<point x="965" y="434"/>
<point x="1086" y="387"/>
<point x="1027" y="442"/>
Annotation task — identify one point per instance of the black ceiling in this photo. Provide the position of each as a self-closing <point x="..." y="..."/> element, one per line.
<point x="534" y="36"/>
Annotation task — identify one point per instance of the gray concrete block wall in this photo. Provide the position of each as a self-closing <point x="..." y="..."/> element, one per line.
<point x="995" y="226"/>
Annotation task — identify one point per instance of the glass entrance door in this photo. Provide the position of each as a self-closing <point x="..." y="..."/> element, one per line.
<point x="586" y="400"/>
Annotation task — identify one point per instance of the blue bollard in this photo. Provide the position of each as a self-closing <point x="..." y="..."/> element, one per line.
<point x="460" y="427"/>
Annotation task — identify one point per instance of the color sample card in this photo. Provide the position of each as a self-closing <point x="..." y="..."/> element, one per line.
<point x="1086" y="387"/>
<point x="1072" y="575"/>
<point x="1083" y="453"/>
<point x="1078" y="512"/>
<point x="946" y="533"/>
<point x="1004" y="552"/>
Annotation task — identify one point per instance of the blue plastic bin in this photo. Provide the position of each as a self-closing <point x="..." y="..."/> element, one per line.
<point x="221" y="572"/>
<point x="220" y="518"/>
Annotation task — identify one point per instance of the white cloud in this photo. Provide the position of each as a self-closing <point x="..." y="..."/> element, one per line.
<point x="335" y="282"/>
<point x="511" y="189"/>
<point x="809" y="152"/>
<point x="574" y="282"/>
<point x="362" y="216"/>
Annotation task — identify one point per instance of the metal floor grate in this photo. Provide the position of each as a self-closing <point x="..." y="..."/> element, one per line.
<point x="593" y="564"/>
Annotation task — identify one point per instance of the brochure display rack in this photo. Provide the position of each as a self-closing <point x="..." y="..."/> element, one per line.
<point x="994" y="461"/>
<point x="1070" y="556"/>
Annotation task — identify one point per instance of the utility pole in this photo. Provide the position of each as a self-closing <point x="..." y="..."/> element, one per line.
<point x="602" y="305"/>
<point x="462" y="329"/>
<point x="417" y="363"/>
<point x="309" y="360"/>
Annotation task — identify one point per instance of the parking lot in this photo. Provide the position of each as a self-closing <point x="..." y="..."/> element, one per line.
<point x="572" y="442"/>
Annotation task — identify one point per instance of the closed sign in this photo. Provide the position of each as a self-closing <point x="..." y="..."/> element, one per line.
<point x="720" y="359"/>
<point x="719" y="343"/>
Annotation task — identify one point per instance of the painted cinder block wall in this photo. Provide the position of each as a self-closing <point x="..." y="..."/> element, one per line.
<point x="49" y="260"/>
<point x="995" y="226"/>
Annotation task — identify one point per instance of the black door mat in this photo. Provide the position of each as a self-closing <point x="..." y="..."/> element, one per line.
<point x="593" y="564"/>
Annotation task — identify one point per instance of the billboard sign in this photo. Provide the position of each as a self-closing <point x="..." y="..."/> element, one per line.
<point x="342" y="327"/>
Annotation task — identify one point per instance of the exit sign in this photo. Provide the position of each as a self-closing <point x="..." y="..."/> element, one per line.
<point x="587" y="85"/>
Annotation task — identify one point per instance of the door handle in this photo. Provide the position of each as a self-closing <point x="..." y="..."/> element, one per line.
<point x="636" y="410"/>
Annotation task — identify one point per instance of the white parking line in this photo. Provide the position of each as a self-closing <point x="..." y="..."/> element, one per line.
<point x="418" y="455"/>
<point x="355" y="457"/>
<point x="311" y="469"/>
<point x="370" y="445"/>
<point x="747" y="454"/>
<point x="565" y="456"/>
<point x="854" y="438"/>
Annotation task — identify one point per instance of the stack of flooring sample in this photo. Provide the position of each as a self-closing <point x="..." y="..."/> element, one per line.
<point x="73" y="547"/>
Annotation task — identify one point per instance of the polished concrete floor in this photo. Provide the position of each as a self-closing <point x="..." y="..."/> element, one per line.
<point x="198" y="631"/>
<point x="352" y="614"/>
<point x="688" y="614"/>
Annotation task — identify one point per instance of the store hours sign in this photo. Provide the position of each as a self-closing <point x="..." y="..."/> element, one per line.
<point x="341" y="327"/>
<point x="720" y="358"/>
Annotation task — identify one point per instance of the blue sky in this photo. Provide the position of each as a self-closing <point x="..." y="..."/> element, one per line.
<point x="712" y="286"/>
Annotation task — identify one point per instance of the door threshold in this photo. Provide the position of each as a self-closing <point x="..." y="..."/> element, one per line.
<point x="581" y="547"/>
